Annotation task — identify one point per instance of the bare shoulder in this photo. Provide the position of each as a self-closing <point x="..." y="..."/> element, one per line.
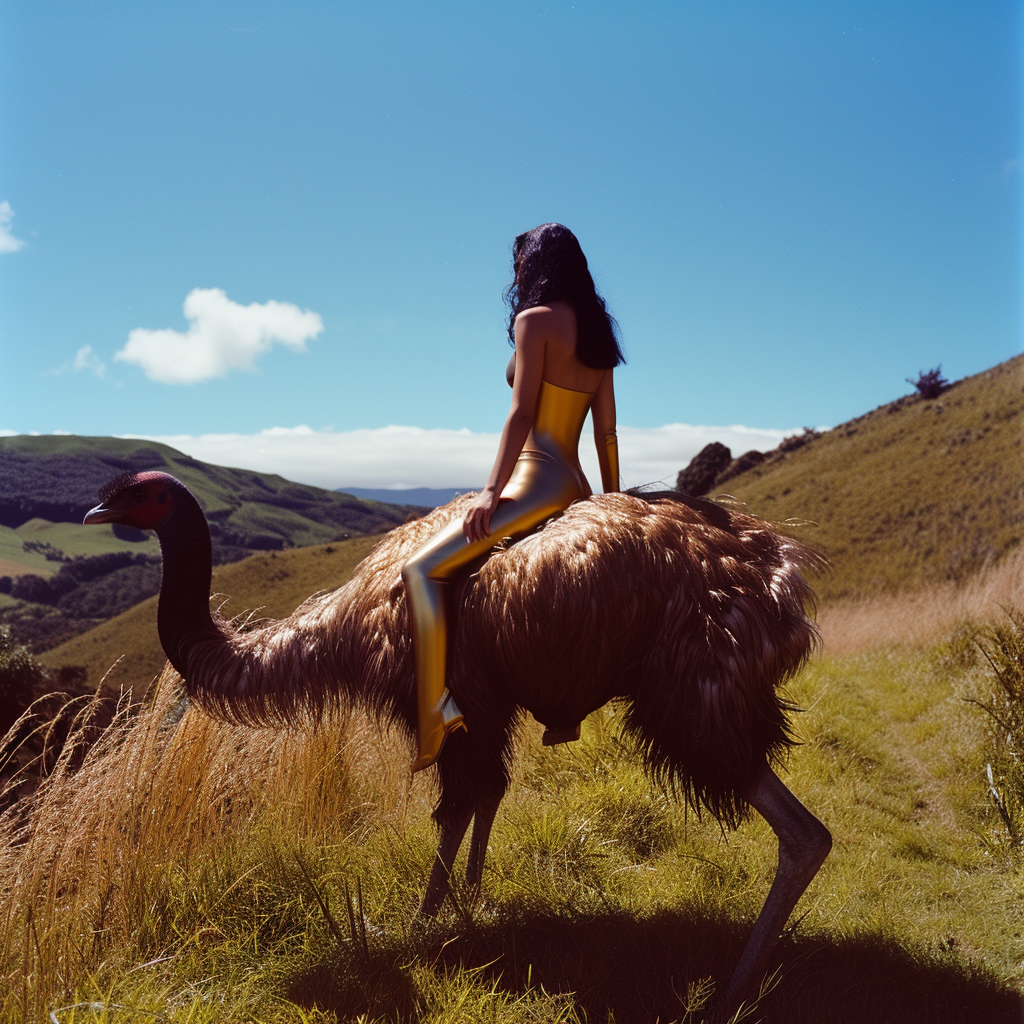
<point x="558" y="318"/>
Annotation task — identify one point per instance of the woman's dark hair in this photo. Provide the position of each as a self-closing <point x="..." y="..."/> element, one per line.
<point x="549" y="264"/>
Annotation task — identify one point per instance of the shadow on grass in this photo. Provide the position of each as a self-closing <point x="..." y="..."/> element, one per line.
<point x="378" y="986"/>
<point x="638" y="970"/>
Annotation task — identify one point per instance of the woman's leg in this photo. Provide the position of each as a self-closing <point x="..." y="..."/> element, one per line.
<point x="539" y="488"/>
<point x="426" y="596"/>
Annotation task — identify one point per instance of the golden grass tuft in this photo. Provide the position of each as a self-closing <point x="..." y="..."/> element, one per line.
<point x="90" y="861"/>
<point x="922" y="616"/>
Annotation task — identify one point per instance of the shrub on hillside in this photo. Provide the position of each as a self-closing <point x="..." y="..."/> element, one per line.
<point x="40" y="627"/>
<point x="748" y="460"/>
<point x="129" y="533"/>
<point x="113" y="593"/>
<point x="930" y="384"/>
<point x="23" y="679"/>
<point x="87" y="570"/>
<point x="33" y="588"/>
<point x="47" y="550"/>
<point x="794" y="441"/>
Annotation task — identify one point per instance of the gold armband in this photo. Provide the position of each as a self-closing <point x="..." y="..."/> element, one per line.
<point x="608" y="458"/>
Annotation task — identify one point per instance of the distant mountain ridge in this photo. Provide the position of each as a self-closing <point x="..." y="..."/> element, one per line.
<point x="428" y="497"/>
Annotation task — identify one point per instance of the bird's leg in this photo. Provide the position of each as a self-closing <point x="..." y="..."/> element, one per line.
<point x="486" y="809"/>
<point x="804" y="843"/>
<point x="452" y="832"/>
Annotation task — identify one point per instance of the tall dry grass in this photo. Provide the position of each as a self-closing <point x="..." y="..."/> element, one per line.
<point x="922" y="616"/>
<point x="87" y="862"/>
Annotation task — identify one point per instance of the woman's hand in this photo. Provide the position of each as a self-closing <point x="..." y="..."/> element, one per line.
<point x="477" y="522"/>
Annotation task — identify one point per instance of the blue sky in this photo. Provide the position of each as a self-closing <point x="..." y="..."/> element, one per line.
<point x="790" y="207"/>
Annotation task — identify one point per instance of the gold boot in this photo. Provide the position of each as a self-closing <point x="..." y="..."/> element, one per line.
<point x="434" y="728"/>
<point x="436" y="713"/>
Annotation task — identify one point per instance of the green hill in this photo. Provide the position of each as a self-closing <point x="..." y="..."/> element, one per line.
<point x="59" y="578"/>
<point x="56" y="479"/>
<point x="915" y="492"/>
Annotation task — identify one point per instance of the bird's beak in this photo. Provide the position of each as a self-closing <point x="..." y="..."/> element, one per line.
<point x="101" y="514"/>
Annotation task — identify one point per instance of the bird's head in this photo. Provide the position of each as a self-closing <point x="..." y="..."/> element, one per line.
<point x="142" y="500"/>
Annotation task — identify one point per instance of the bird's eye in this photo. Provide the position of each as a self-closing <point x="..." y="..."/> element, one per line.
<point x="138" y="492"/>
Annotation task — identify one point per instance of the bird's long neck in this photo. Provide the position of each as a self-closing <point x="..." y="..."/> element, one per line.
<point x="183" y="617"/>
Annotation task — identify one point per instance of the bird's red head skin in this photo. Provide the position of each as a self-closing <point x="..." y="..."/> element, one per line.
<point x="142" y="500"/>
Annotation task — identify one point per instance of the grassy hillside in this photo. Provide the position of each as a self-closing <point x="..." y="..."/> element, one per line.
<point x="48" y="483"/>
<point x="916" y="492"/>
<point x="76" y="540"/>
<point x="56" y="478"/>
<point x="16" y="559"/>
<point x="24" y="550"/>
<point x="275" y="582"/>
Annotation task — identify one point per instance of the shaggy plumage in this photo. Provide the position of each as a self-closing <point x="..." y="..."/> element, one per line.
<point x="691" y="613"/>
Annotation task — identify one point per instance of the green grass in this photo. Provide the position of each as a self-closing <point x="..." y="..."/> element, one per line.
<point x="74" y="539"/>
<point x="15" y="560"/>
<point x="274" y="877"/>
<point x="914" y="493"/>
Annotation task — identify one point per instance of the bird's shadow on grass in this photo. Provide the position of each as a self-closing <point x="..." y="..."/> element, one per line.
<point x="638" y="970"/>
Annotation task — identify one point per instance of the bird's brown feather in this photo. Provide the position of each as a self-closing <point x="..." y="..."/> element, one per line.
<point x="692" y="614"/>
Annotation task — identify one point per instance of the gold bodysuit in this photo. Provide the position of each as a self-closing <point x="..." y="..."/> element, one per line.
<point x="547" y="479"/>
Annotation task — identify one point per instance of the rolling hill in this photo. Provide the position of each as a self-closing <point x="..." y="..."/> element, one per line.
<point x="56" y="479"/>
<point x="59" y="578"/>
<point x="916" y="492"/>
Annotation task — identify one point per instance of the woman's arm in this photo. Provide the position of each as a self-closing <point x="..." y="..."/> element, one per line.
<point x="530" y="329"/>
<point x="603" y="414"/>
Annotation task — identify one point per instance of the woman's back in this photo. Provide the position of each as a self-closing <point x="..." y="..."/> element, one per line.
<point x="555" y="325"/>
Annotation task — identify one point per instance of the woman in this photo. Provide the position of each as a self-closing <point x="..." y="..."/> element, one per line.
<point x="565" y="349"/>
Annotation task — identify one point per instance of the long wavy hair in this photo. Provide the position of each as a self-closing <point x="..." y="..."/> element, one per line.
<point x="548" y="264"/>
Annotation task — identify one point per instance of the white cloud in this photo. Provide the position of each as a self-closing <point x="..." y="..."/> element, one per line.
<point x="222" y="336"/>
<point x="86" y="359"/>
<point x="413" y="457"/>
<point x="8" y="243"/>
